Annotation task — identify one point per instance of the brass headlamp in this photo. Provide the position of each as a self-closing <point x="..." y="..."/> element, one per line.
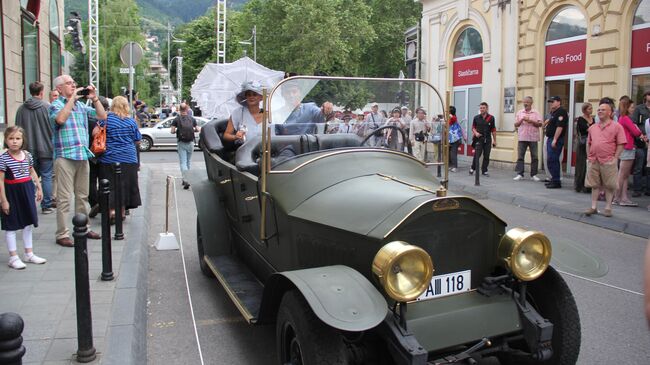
<point x="403" y="270"/>
<point x="526" y="253"/>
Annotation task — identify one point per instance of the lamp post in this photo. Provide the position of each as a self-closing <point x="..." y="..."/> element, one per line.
<point x="179" y="74"/>
<point x="170" y="39"/>
<point x="247" y="42"/>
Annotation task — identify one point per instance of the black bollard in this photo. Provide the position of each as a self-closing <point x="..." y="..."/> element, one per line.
<point x="107" y="256"/>
<point x="85" y="349"/>
<point x="117" y="196"/>
<point x="11" y="339"/>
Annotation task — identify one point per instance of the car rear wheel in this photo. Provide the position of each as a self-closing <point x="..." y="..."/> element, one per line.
<point x="303" y="339"/>
<point x="145" y="144"/>
<point x="552" y="298"/>
<point x="205" y="269"/>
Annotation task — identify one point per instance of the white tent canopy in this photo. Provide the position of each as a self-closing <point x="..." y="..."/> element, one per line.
<point x="217" y="85"/>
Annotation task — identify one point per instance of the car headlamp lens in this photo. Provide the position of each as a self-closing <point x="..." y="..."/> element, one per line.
<point x="526" y="253"/>
<point x="403" y="270"/>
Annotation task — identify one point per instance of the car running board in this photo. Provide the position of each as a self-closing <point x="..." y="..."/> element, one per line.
<point x="240" y="284"/>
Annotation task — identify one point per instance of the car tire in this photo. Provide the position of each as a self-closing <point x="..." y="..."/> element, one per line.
<point x="552" y="298"/>
<point x="205" y="269"/>
<point x="145" y="144"/>
<point x="302" y="338"/>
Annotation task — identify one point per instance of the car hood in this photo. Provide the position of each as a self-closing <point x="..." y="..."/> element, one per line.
<point x="368" y="193"/>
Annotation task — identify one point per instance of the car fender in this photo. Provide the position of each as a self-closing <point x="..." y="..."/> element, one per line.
<point x="211" y="213"/>
<point x="339" y="296"/>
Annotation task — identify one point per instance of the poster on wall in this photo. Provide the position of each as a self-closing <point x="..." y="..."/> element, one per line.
<point x="509" y="100"/>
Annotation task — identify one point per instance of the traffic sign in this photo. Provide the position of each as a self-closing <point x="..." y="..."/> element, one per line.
<point x="125" y="70"/>
<point x="131" y="51"/>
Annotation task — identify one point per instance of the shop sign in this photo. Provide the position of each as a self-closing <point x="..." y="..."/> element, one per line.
<point x="641" y="48"/>
<point x="566" y="58"/>
<point x="468" y="71"/>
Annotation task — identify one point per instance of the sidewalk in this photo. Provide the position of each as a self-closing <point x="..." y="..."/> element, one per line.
<point x="44" y="295"/>
<point x="564" y="202"/>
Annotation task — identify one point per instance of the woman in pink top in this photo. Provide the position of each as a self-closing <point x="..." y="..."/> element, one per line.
<point x="626" y="108"/>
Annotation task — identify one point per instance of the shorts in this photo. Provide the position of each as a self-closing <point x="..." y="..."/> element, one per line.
<point x="602" y="174"/>
<point x="627" y="155"/>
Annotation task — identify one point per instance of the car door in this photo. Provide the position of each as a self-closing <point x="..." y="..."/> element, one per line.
<point x="162" y="133"/>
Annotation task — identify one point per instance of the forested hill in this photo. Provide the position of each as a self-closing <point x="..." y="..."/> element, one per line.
<point x="177" y="11"/>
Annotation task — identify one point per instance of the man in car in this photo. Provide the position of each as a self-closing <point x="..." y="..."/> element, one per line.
<point x="307" y="114"/>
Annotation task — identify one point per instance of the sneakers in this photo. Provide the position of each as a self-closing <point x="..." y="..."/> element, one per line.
<point x="607" y="213"/>
<point x="186" y="185"/>
<point x="471" y="172"/>
<point x="518" y="177"/>
<point x="536" y="179"/>
<point x="33" y="259"/>
<point x="47" y="210"/>
<point x="15" y="263"/>
<point x="453" y="169"/>
<point x="591" y="211"/>
<point x="485" y="174"/>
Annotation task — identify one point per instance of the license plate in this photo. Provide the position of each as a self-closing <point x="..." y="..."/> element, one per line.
<point x="448" y="284"/>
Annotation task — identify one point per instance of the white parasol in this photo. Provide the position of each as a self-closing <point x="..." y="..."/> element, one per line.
<point x="217" y="85"/>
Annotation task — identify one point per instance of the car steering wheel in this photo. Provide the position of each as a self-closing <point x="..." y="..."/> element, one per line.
<point x="379" y="133"/>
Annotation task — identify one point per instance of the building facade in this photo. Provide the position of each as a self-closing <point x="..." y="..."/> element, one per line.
<point x="31" y="46"/>
<point x="500" y="51"/>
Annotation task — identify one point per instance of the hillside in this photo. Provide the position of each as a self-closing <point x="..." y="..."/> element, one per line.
<point x="160" y="10"/>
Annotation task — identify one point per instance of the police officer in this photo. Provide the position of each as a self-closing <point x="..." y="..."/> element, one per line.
<point x="556" y="127"/>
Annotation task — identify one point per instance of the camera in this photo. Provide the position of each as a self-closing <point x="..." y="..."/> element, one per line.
<point x="83" y="92"/>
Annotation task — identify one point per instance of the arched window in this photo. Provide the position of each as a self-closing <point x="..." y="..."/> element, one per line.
<point x="640" y="63"/>
<point x="568" y="23"/>
<point x="55" y="42"/>
<point x="469" y="43"/>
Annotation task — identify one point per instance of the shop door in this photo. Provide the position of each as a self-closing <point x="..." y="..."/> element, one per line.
<point x="466" y="101"/>
<point x="572" y="93"/>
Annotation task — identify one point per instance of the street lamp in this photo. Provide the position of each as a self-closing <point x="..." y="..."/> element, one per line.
<point x="171" y="38"/>
<point x="248" y="43"/>
<point x="179" y="74"/>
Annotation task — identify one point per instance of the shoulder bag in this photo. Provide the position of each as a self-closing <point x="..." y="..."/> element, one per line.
<point x="99" y="140"/>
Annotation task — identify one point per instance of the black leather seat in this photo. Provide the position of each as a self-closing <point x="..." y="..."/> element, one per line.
<point x="330" y="141"/>
<point x="211" y="138"/>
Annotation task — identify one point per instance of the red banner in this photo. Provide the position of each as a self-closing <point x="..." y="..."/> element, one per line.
<point x="641" y="48"/>
<point x="566" y="58"/>
<point x="468" y="72"/>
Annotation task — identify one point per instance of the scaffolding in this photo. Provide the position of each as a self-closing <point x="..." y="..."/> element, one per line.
<point x="221" y="31"/>
<point x="93" y="35"/>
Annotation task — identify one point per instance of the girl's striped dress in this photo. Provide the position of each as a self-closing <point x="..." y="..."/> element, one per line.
<point x="20" y="192"/>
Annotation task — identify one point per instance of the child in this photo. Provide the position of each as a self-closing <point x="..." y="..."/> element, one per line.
<point x="19" y="185"/>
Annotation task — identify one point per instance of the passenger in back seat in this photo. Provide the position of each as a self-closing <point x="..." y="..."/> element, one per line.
<point x="246" y="121"/>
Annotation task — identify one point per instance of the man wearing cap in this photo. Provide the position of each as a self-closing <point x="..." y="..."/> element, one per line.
<point x="345" y="126"/>
<point x="555" y="129"/>
<point x="374" y="120"/>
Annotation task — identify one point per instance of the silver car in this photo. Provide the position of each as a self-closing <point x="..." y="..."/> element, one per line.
<point x="160" y="134"/>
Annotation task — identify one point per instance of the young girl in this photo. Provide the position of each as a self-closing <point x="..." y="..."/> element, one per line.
<point x="19" y="192"/>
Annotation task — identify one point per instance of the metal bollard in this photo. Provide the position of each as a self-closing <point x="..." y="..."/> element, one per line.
<point x="117" y="195"/>
<point x="11" y="339"/>
<point x="85" y="349"/>
<point x="107" y="255"/>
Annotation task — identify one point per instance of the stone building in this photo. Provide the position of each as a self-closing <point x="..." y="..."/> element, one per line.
<point x="499" y="51"/>
<point x="31" y="45"/>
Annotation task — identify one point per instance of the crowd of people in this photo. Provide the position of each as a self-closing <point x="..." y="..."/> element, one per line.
<point x="48" y="161"/>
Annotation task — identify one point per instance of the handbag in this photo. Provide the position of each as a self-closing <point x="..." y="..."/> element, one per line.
<point x="99" y="141"/>
<point x="639" y="143"/>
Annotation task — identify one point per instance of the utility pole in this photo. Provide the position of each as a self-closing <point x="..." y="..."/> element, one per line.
<point x="93" y="35"/>
<point x="221" y="31"/>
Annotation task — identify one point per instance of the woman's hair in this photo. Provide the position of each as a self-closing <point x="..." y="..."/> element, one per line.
<point x="12" y="130"/>
<point x="624" y="106"/>
<point x="585" y="106"/>
<point x="120" y="106"/>
<point x="452" y="110"/>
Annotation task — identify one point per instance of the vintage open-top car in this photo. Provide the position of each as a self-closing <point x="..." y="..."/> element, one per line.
<point x="358" y="253"/>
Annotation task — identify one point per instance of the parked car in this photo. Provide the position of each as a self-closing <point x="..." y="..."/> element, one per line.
<point x="160" y="136"/>
<point x="359" y="255"/>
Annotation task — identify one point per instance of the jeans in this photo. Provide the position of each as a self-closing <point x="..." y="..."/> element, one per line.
<point x="482" y="147"/>
<point x="185" y="150"/>
<point x="638" y="171"/>
<point x="453" y="154"/>
<point x="553" y="158"/>
<point x="44" y="168"/>
<point x="521" y="153"/>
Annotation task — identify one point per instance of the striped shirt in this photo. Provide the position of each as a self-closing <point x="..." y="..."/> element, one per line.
<point x="16" y="171"/>
<point x="121" y="135"/>
<point x="71" y="139"/>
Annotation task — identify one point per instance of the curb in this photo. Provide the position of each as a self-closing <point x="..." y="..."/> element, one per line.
<point x="126" y="336"/>
<point x="611" y="223"/>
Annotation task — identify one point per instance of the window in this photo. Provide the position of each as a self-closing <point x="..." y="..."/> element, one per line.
<point x="640" y="62"/>
<point x="642" y="15"/>
<point x="30" y="54"/>
<point x="55" y="43"/>
<point x="469" y="43"/>
<point x="568" y="23"/>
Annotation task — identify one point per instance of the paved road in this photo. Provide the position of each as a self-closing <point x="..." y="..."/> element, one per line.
<point x="613" y="327"/>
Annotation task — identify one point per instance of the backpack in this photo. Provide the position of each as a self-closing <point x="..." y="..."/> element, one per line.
<point x="185" y="128"/>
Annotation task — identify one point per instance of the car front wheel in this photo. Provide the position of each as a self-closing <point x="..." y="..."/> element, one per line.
<point x="552" y="298"/>
<point x="303" y="339"/>
<point x="145" y="144"/>
<point x="199" y="246"/>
